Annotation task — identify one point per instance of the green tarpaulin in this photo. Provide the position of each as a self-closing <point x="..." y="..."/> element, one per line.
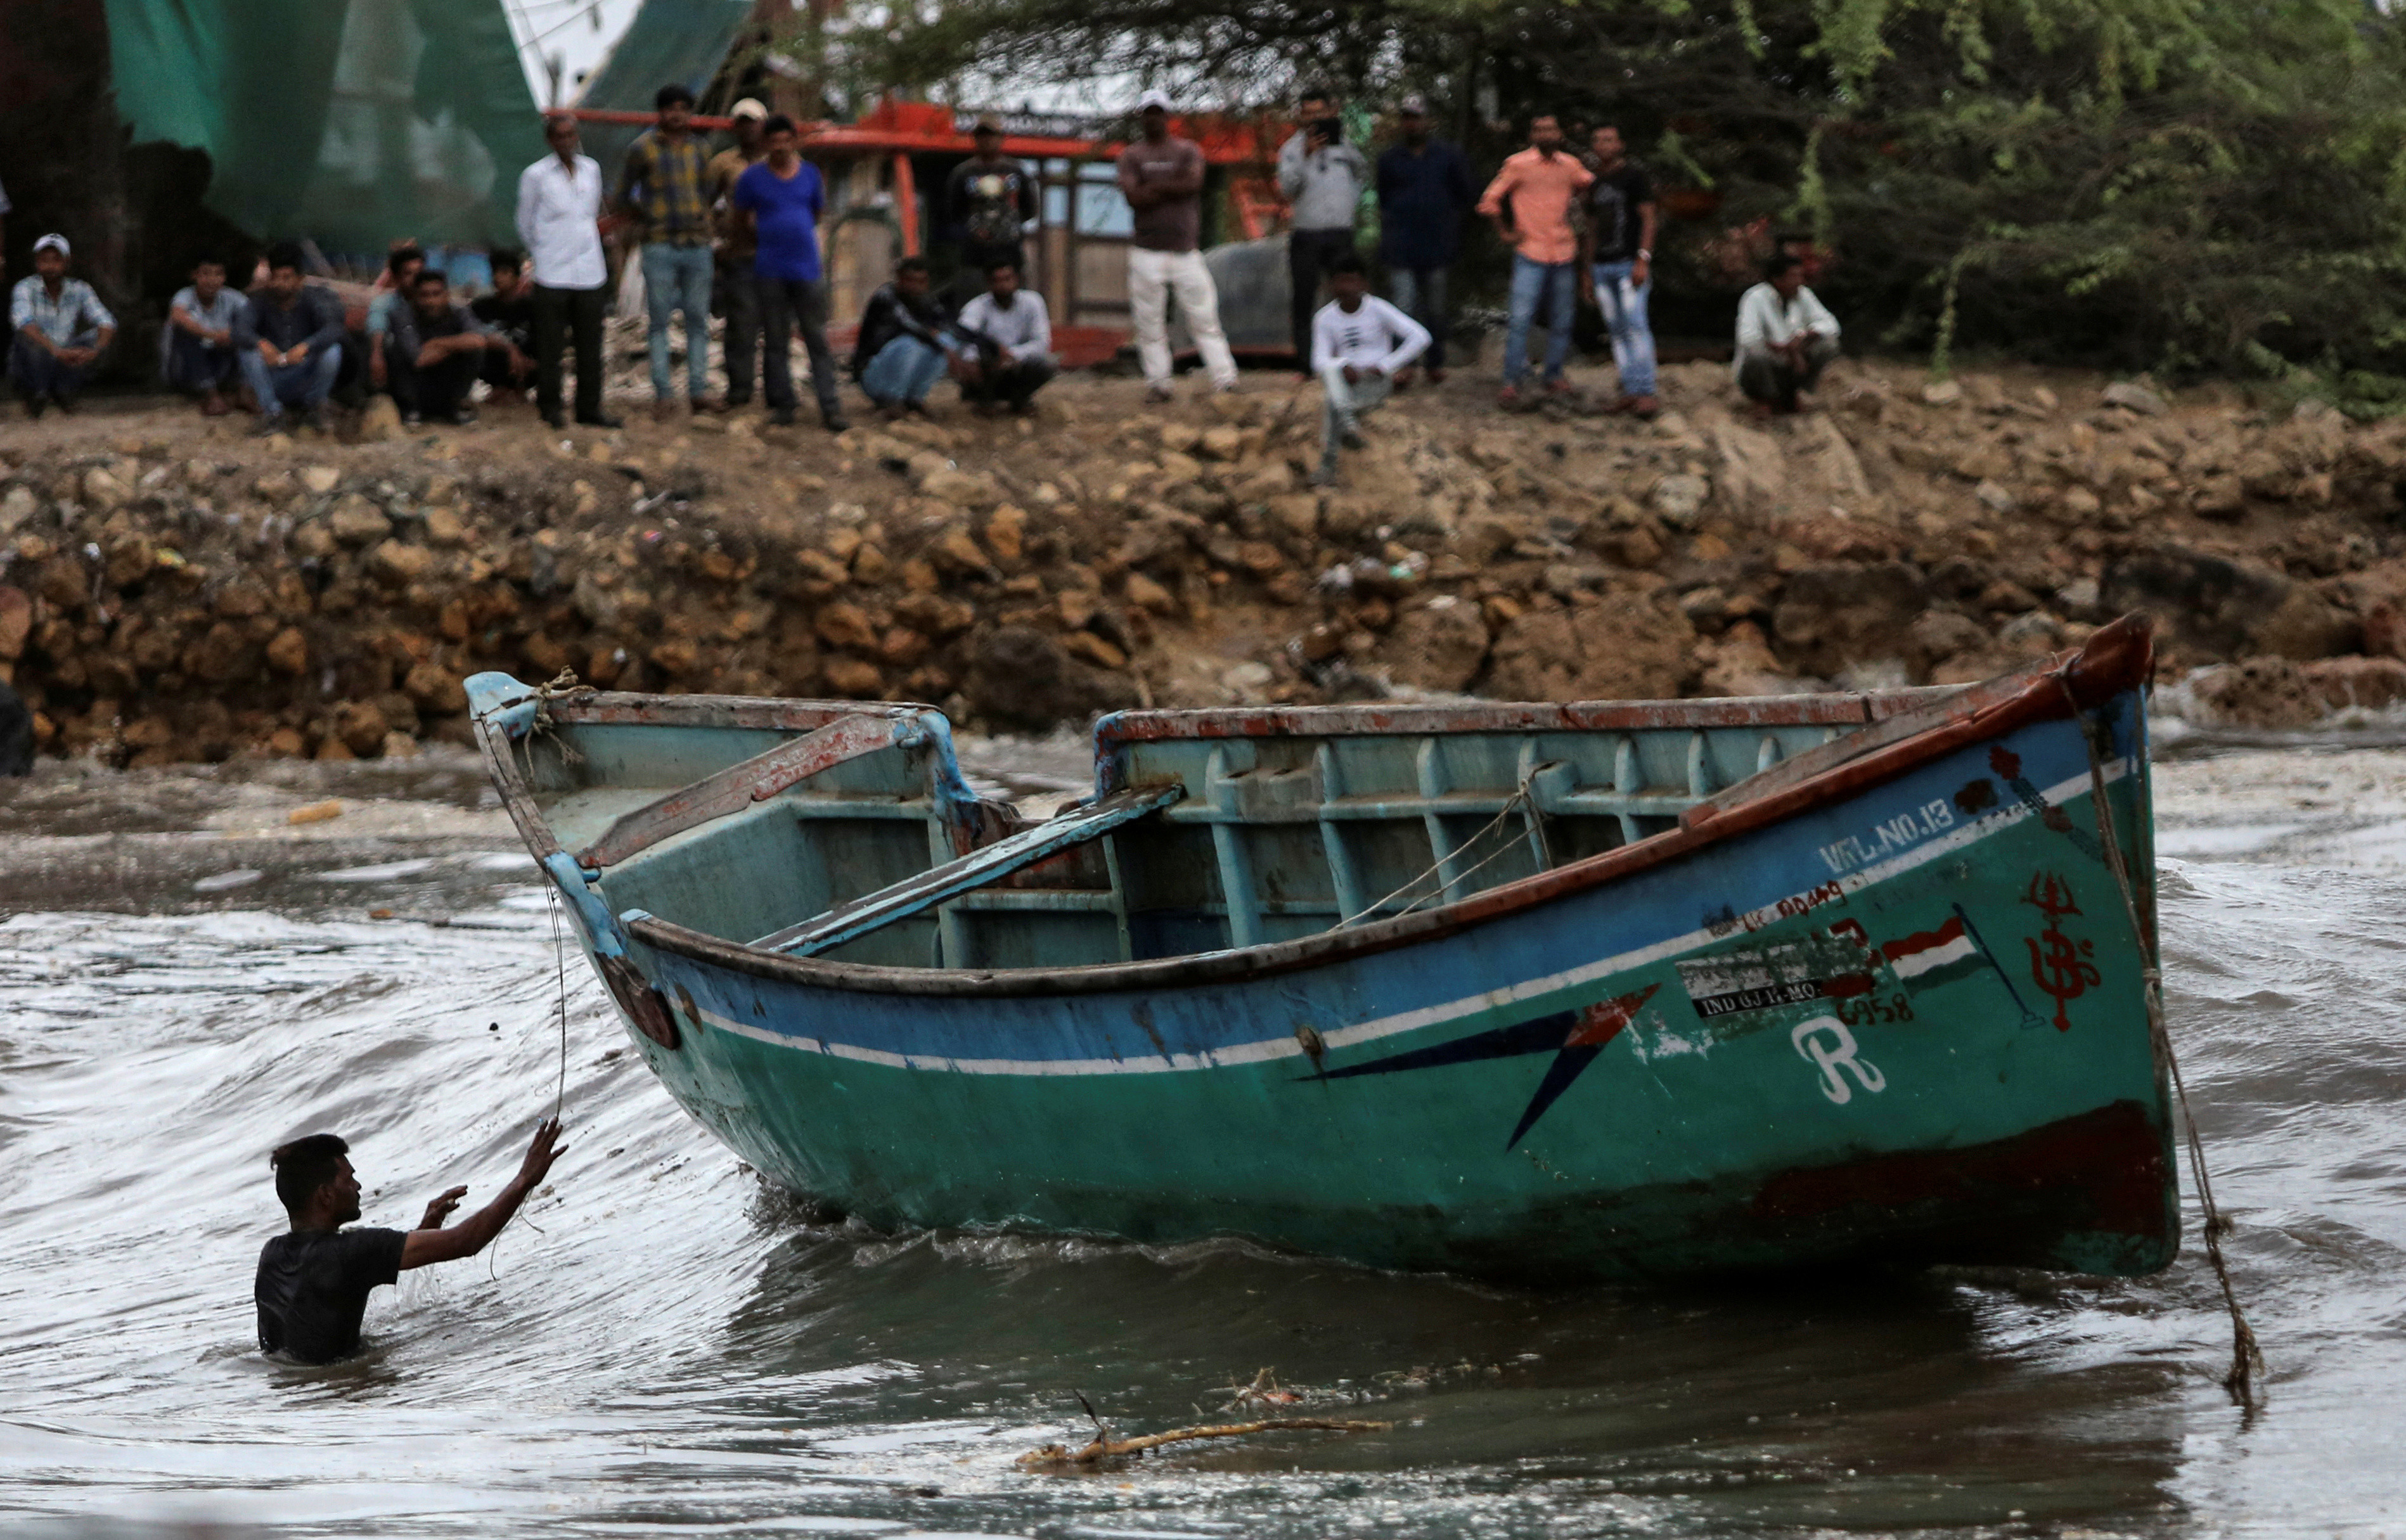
<point x="679" y="42"/>
<point x="350" y="121"/>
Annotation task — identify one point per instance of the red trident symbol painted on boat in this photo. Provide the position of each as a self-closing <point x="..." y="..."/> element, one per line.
<point x="2058" y="963"/>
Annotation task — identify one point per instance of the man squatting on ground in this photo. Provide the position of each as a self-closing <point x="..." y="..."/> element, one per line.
<point x="1358" y="342"/>
<point x="1322" y="178"/>
<point x="313" y="1282"/>
<point x="291" y="342"/>
<point x="1162" y="178"/>
<point x="59" y="328"/>
<point x="1012" y="334"/>
<point x="1785" y="338"/>
<point x="437" y="348"/>
<point x="196" y="352"/>
<point x="905" y="343"/>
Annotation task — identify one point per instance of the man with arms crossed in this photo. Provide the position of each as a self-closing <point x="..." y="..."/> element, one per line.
<point x="1162" y="177"/>
<point x="313" y="1281"/>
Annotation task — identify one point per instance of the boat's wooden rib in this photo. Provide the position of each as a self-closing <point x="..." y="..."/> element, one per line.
<point x="851" y="920"/>
<point x="738" y="787"/>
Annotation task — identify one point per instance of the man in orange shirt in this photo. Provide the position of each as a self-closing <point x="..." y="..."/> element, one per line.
<point x="1530" y="203"/>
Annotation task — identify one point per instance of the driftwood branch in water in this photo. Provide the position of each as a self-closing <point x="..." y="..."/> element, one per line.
<point x="1053" y="1457"/>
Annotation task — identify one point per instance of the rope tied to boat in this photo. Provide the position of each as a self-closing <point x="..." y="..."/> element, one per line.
<point x="1524" y="798"/>
<point x="2246" y="1355"/>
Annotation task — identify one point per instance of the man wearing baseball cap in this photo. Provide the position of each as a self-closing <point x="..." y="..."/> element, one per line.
<point x="739" y="295"/>
<point x="61" y="328"/>
<point x="1162" y="178"/>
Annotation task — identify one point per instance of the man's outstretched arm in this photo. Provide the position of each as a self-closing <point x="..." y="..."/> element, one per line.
<point x="474" y="1233"/>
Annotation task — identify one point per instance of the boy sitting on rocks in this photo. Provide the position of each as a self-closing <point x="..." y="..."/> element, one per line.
<point x="1358" y="342"/>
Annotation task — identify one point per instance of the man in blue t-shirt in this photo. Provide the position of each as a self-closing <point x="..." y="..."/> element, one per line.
<point x="780" y="199"/>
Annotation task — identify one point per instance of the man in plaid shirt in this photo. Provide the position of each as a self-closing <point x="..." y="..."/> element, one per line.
<point x="664" y="187"/>
<point x="58" y="328"/>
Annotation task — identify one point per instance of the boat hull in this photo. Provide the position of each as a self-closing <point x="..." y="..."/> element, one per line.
<point x="1905" y="1023"/>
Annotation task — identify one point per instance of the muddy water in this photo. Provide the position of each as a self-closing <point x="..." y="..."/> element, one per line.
<point x="663" y="1347"/>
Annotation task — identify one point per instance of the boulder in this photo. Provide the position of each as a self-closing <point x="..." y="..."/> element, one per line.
<point x="1834" y="613"/>
<point x="1440" y="645"/>
<point x="1623" y="649"/>
<point x="2227" y="609"/>
<point x="1020" y="677"/>
<point x="2370" y="683"/>
<point x="360" y="727"/>
<point x="2260" y="692"/>
<point x="355" y="521"/>
<point x="2134" y="397"/>
<point x="1680" y="499"/>
<point x="435" y="689"/>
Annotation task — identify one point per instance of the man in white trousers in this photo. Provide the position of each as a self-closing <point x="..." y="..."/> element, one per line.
<point x="1162" y="177"/>
<point x="1358" y="342"/>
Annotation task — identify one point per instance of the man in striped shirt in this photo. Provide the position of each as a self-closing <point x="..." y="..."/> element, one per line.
<point x="665" y="187"/>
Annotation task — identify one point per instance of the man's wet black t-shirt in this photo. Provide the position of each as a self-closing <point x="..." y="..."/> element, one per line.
<point x="313" y="1287"/>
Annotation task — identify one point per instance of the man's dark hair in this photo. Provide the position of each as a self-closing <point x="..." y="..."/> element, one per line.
<point x="1781" y="265"/>
<point x="508" y="257"/>
<point x="208" y="258"/>
<point x="910" y="265"/>
<point x="776" y="122"/>
<point x="672" y="95"/>
<point x="286" y="254"/>
<point x="402" y="257"/>
<point x="999" y="264"/>
<point x="431" y="276"/>
<point x="1350" y="261"/>
<point x="1316" y="91"/>
<point x="304" y="1166"/>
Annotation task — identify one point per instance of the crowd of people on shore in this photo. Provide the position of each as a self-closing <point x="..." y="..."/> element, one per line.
<point x="739" y="232"/>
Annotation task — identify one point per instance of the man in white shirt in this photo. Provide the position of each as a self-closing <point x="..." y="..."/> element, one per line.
<point x="1785" y="338"/>
<point x="1013" y="334"/>
<point x="559" y="213"/>
<point x="1358" y="342"/>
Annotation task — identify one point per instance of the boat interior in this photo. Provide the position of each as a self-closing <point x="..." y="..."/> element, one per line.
<point x="845" y="829"/>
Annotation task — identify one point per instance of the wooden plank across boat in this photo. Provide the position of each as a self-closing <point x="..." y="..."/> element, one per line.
<point x="1539" y="991"/>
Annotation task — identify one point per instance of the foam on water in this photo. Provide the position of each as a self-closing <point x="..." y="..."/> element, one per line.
<point x="663" y="1346"/>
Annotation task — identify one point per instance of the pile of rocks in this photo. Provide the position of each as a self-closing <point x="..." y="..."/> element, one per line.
<point x="167" y="597"/>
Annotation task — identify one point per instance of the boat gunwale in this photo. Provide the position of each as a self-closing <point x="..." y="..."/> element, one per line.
<point x="2119" y="658"/>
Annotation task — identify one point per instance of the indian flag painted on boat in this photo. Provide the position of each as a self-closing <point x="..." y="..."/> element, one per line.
<point x="1928" y="958"/>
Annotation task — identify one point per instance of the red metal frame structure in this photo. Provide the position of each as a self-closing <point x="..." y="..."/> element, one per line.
<point x="896" y="132"/>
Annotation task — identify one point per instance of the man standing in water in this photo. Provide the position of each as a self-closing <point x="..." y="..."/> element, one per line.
<point x="313" y="1282"/>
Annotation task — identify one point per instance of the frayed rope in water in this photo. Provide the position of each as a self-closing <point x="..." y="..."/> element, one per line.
<point x="2246" y="1355"/>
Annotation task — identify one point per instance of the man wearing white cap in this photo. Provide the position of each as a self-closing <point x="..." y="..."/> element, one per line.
<point x="1162" y="177"/>
<point x="61" y="328"/>
<point x="739" y="295"/>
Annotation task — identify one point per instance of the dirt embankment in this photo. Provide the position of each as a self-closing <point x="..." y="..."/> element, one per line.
<point x="171" y="590"/>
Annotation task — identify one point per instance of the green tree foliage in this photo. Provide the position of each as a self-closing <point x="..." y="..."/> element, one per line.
<point x="2178" y="184"/>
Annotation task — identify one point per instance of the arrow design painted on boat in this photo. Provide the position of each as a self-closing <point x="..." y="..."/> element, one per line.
<point x="1575" y="1038"/>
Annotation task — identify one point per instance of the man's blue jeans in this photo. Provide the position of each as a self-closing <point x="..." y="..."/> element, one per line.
<point x="305" y="384"/>
<point x="1534" y="284"/>
<point x="1419" y="293"/>
<point x="903" y="370"/>
<point x="677" y="277"/>
<point x="1624" y="304"/>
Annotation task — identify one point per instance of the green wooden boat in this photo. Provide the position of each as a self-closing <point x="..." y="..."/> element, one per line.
<point x="1592" y="991"/>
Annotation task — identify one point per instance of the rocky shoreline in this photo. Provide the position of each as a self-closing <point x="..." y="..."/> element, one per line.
<point x="172" y="591"/>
